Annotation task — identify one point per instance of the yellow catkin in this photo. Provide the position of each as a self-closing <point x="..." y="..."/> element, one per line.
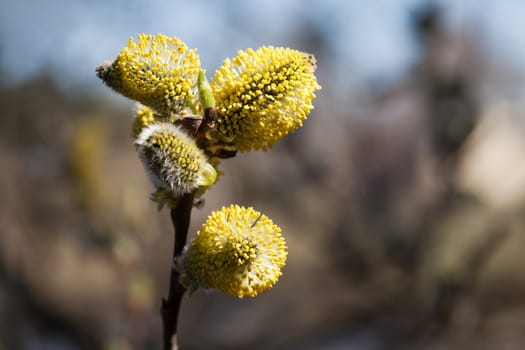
<point x="264" y="94"/>
<point x="157" y="71"/>
<point x="173" y="160"/>
<point x="238" y="251"/>
<point x="144" y="116"/>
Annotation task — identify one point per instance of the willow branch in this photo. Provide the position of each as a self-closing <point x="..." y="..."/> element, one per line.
<point x="180" y="217"/>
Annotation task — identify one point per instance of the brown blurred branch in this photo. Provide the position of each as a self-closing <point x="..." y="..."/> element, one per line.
<point x="180" y="217"/>
<point x="449" y="292"/>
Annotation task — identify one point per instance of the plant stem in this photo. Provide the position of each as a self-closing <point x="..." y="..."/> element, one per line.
<point x="180" y="217"/>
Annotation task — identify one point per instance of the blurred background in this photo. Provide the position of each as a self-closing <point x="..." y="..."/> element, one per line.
<point x="402" y="198"/>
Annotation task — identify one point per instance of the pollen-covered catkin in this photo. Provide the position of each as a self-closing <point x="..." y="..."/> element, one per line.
<point x="157" y="71"/>
<point x="238" y="251"/>
<point x="264" y="94"/>
<point x="173" y="160"/>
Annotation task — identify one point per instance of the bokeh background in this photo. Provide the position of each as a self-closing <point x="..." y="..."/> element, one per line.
<point x="402" y="198"/>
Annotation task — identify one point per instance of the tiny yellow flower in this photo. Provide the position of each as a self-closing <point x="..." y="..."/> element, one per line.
<point x="144" y="116"/>
<point x="173" y="160"/>
<point x="263" y="95"/>
<point x="157" y="71"/>
<point x="238" y="251"/>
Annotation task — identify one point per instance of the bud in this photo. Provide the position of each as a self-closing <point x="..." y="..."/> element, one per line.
<point x="173" y="160"/>
<point x="238" y="251"/>
<point x="205" y="94"/>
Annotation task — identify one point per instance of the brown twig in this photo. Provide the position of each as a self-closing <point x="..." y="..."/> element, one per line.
<point x="180" y="217"/>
